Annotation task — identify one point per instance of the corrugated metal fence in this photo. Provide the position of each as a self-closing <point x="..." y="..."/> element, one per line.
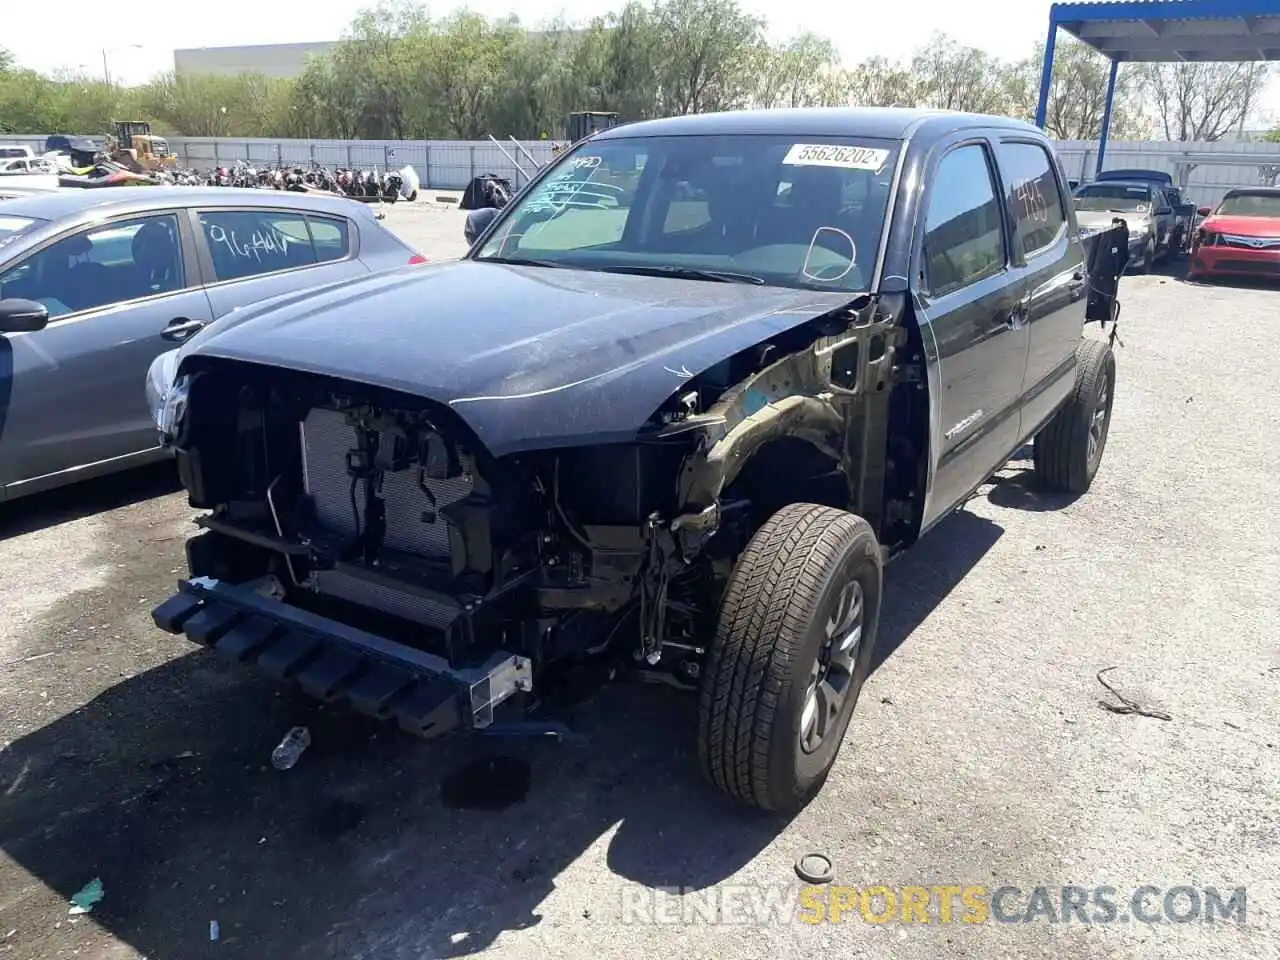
<point x="440" y="164"/>
<point x="1206" y="170"/>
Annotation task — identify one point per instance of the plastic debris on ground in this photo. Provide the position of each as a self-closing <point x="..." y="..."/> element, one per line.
<point x="290" y="749"/>
<point x="89" y="894"/>
<point x="214" y="930"/>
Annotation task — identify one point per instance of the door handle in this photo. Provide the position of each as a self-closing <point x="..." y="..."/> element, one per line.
<point x="1015" y="316"/>
<point x="180" y="328"/>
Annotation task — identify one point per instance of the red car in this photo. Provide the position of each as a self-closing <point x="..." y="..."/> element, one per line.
<point x="1240" y="238"/>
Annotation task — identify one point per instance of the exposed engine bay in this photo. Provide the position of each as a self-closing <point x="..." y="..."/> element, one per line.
<point x="364" y="544"/>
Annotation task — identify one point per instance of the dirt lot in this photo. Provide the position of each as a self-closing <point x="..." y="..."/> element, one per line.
<point x="979" y="755"/>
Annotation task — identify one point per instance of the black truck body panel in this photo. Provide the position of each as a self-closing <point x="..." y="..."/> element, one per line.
<point x="529" y="357"/>
<point x="663" y="411"/>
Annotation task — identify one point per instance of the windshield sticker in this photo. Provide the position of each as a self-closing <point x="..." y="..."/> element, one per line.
<point x="827" y="155"/>
<point x="590" y="162"/>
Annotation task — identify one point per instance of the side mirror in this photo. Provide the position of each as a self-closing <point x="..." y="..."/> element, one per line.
<point x="478" y="222"/>
<point x="22" y="316"/>
<point x="1204" y="211"/>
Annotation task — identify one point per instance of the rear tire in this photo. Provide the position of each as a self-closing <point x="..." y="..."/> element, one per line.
<point x="791" y="652"/>
<point x="1068" y="450"/>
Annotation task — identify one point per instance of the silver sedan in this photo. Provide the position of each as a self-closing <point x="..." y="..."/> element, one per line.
<point x="96" y="283"/>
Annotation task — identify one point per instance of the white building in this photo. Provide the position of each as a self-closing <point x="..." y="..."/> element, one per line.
<point x="281" y="60"/>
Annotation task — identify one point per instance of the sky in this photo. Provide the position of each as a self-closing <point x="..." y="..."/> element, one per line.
<point x="137" y="48"/>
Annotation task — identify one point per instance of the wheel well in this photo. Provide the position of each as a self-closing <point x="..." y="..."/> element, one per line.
<point x="789" y="470"/>
<point x="907" y="452"/>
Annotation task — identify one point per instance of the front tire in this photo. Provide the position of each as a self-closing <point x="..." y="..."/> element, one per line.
<point x="791" y="652"/>
<point x="1069" y="449"/>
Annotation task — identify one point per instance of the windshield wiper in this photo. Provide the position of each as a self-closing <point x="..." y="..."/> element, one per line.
<point x="685" y="273"/>
<point x="522" y="262"/>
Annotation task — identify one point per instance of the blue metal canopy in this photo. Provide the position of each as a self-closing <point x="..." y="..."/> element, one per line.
<point x="1162" y="31"/>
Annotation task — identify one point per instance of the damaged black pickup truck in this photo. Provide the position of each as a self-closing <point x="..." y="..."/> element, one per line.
<point x="673" y="412"/>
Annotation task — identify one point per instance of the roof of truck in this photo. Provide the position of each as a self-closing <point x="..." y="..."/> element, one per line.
<point x="887" y="123"/>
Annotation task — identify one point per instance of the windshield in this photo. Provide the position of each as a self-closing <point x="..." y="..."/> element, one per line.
<point x="11" y="227"/>
<point x="1114" y="198"/>
<point x="1251" y="205"/>
<point x="780" y="210"/>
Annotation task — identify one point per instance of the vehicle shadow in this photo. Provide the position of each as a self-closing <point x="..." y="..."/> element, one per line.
<point x="42" y="510"/>
<point x="1172" y="268"/>
<point x="917" y="582"/>
<point x="373" y="845"/>
<point x="1237" y="282"/>
<point x="376" y="844"/>
<point x="1015" y="487"/>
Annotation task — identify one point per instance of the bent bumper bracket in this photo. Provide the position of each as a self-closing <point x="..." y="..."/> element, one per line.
<point x="337" y="663"/>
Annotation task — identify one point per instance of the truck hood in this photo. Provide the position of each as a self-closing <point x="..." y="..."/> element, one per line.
<point x="1242" y="226"/>
<point x="529" y="357"/>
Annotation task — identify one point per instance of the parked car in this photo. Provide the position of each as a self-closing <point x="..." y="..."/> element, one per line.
<point x="1184" y="211"/>
<point x="95" y="284"/>
<point x="676" y="435"/>
<point x="1145" y="210"/>
<point x="1240" y="237"/>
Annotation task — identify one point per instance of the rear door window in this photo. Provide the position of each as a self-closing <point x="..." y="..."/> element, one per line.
<point x="1035" y="197"/>
<point x="250" y="243"/>
<point x="330" y="238"/>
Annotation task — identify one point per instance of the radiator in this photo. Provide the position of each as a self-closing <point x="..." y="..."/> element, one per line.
<point x="326" y="438"/>
<point x="376" y="596"/>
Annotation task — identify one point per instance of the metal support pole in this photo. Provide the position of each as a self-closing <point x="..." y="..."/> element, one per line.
<point x="1046" y="72"/>
<point x="1106" y="117"/>
<point x="529" y="156"/>
<point x="512" y="160"/>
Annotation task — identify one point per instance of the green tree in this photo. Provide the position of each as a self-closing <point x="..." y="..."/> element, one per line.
<point x="1203" y="101"/>
<point x="705" y="51"/>
<point x="803" y="72"/>
<point x="878" y="82"/>
<point x="1077" y="93"/>
<point x="953" y="77"/>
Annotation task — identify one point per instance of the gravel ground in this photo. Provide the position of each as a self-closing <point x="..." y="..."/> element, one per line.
<point x="979" y="755"/>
